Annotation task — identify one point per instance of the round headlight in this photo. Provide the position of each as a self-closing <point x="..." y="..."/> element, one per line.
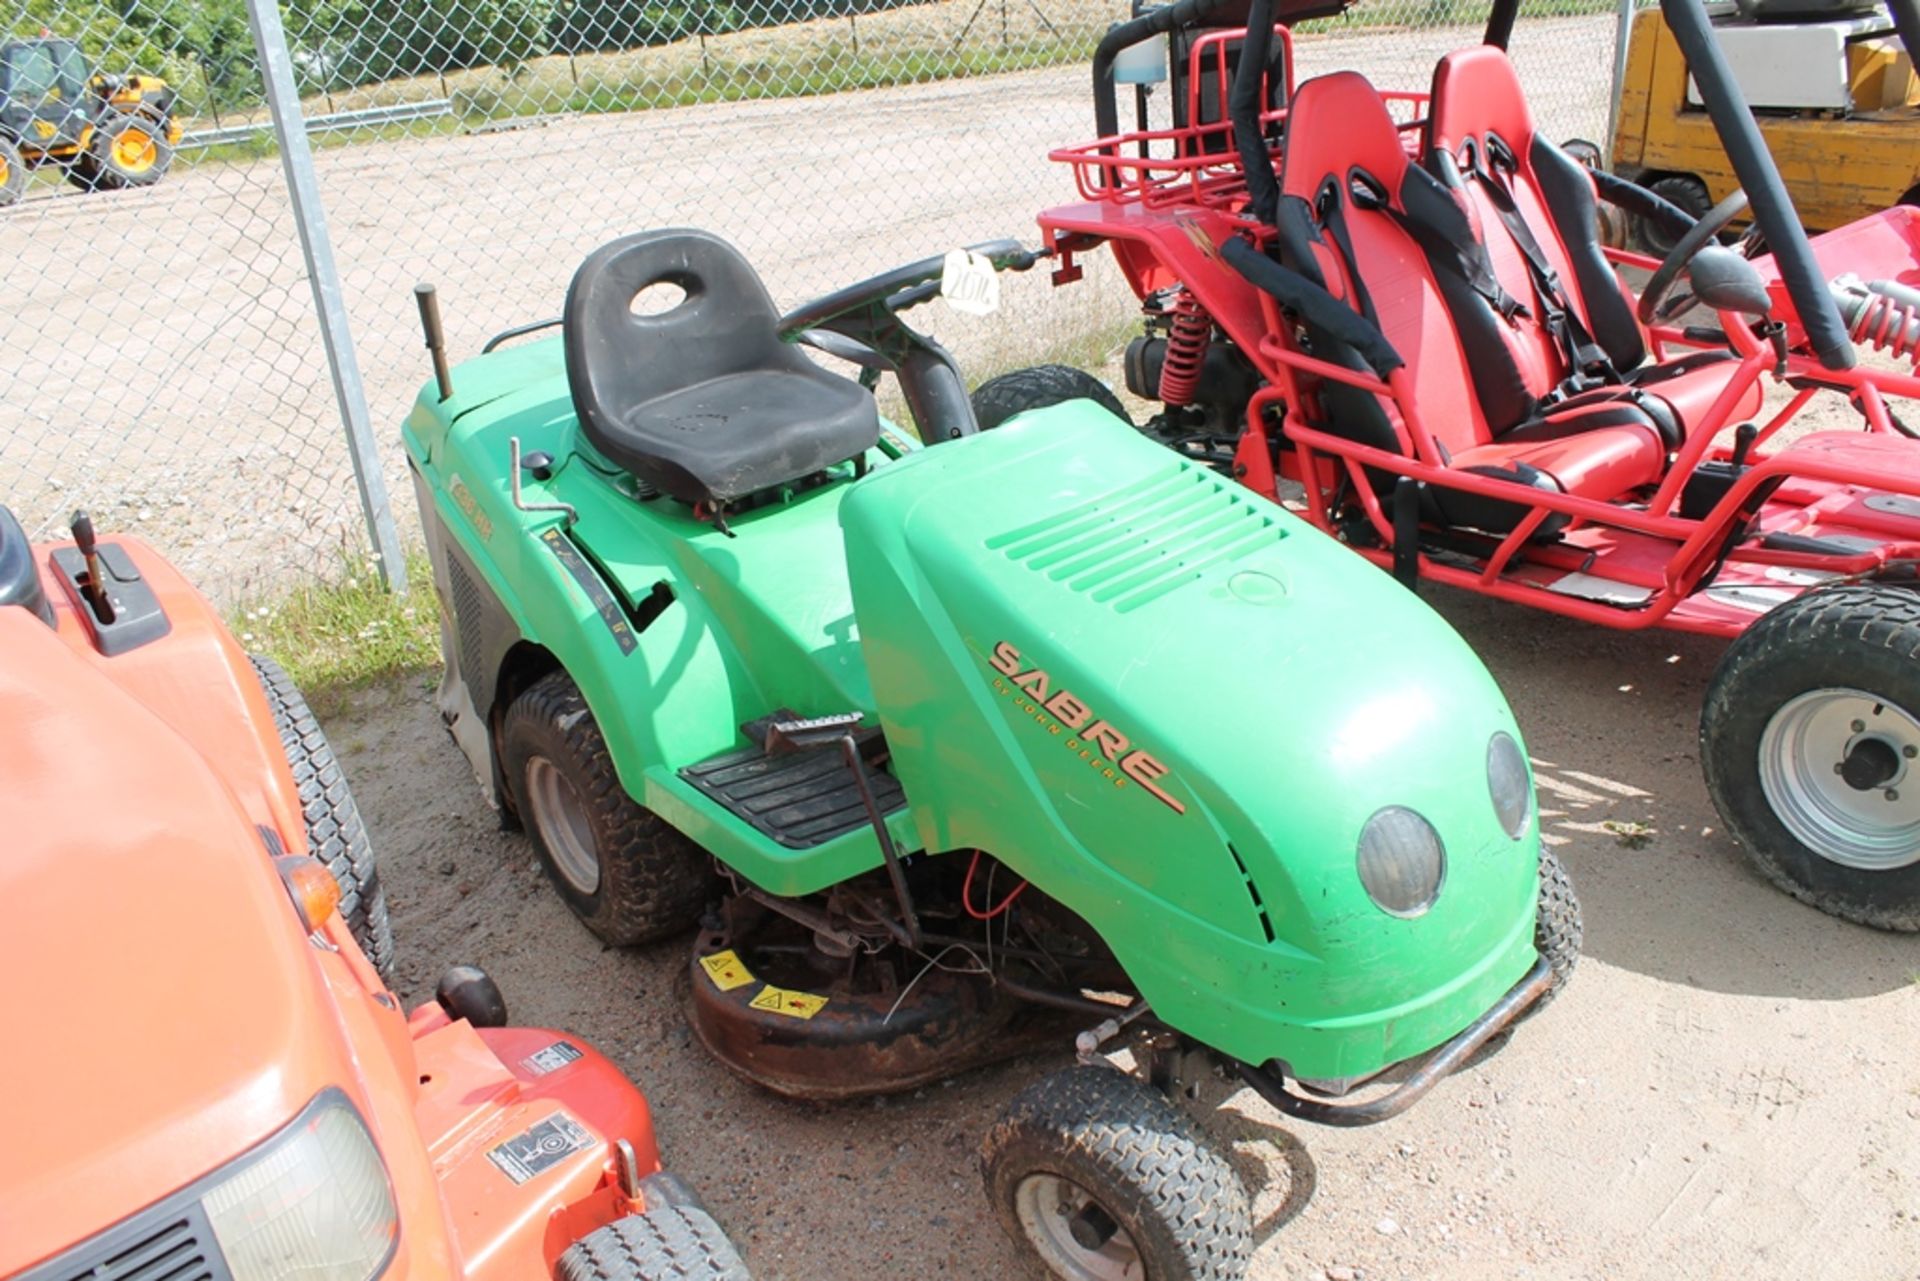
<point x="1507" y="783"/>
<point x="1402" y="862"/>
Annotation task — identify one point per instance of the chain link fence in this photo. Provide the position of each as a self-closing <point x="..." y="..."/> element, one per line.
<point x="160" y="356"/>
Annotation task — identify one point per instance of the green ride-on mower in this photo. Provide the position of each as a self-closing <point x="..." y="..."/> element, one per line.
<point x="936" y="741"/>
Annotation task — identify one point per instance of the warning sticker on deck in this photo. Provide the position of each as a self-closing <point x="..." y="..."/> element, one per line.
<point x="551" y="1059"/>
<point x="795" y="1005"/>
<point x="726" y="970"/>
<point x="540" y="1148"/>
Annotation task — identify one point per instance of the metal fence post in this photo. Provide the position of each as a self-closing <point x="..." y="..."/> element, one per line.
<point x="296" y="155"/>
<point x="1623" y="33"/>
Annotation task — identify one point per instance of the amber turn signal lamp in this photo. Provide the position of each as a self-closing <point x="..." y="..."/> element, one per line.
<point x="311" y="886"/>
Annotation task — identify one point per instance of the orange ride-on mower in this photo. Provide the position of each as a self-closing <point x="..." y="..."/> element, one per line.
<point x="1391" y="312"/>
<point x="209" y="1077"/>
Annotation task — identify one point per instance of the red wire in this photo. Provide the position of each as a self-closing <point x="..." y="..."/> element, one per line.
<point x="966" y="894"/>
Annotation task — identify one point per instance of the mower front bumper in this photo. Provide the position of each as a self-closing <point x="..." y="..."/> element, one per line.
<point x="1272" y="1084"/>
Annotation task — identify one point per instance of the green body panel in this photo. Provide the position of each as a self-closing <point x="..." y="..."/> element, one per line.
<point x="1272" y="690"/>
<point x="761" y="620"/>
<point x="1289" y="691"/>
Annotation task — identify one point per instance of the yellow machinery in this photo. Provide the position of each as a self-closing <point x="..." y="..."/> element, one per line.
<point x="1833" y="91"/>
<point x="106" y="131"/>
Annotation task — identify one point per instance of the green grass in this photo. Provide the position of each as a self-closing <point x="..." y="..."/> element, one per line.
<point x="341" y="634"/>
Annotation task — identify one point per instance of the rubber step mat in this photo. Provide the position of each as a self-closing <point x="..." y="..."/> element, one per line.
<point x="800" y="799"/>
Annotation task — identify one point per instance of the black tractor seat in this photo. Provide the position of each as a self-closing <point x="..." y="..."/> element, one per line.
<point x="702" y="401"/>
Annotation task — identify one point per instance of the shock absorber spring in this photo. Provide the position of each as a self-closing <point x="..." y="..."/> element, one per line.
<point x="1887" y="316"/>
<point x="1187" y="337"/>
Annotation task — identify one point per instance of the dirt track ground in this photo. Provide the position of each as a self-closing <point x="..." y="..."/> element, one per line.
<point x="1729" y="1088"/>
<point x="159" y="361"/>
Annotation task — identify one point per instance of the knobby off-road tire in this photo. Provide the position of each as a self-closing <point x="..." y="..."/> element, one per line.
<point x="1818" y="696"/>
<point x="13" y="174"/>
<point x="624" y="871"/>
<point x="667" y="1244"/>
<point x="335" y="834"/>
<point x="1093" y="1133"/>
<point x="1558" y="929"/>
<point x="998" y="399"/>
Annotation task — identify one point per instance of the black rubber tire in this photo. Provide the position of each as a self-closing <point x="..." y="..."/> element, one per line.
<point x="1558" y="929"/>
<point x="108" y="173"/>
<point x="664" y="1244"/>
<point x="1681" y="189"/>
<point x="13" y="174"/>
<point x="1139" y="1157"/>
<point x="335" y="834"/>
<point x="1860" y="636"/>
<point x="1036" y="387"/>
<point x="654" y="882"/>
<point x="83" y="171"/>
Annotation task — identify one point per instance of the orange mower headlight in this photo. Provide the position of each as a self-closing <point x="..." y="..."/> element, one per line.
<point x="314" y="1204"/>
<point x="311" y="886"/>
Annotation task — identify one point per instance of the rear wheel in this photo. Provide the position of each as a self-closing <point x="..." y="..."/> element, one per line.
<point x="130" y="151"/>
<point x="1098" y="1177"/>
<point x="335" y="834"/>
<point x="623" y="870"/>
<point x="672" y="1242"/>
<point x="1557" y="929"/>
<point x="1810" y="738"/>
<point x="1036" y="387"/>
<point x="13" y="174"/>
<point x="1684" y="190"/>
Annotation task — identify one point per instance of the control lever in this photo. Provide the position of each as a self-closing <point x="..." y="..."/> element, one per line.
<point x="95" y="588"/>
<point x="1743" y="437"/>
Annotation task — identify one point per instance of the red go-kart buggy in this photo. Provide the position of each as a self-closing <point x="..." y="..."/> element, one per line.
<point x="1392" y="312"/>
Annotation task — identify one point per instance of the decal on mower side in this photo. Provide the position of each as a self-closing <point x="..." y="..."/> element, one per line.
<point x="541" y="1147"/>
<point x="1096" y="740"/>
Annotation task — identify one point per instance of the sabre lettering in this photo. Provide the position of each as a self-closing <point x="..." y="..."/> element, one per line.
<point x="1074" y="713"/>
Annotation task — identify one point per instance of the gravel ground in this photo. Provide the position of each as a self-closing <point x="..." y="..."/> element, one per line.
<point x="1727" y="1089"/>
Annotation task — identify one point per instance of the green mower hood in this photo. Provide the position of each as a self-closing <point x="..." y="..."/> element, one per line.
<point x="1174" y="707"/>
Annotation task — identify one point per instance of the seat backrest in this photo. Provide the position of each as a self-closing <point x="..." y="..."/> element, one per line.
<point x="1478" y="116"/>
<point x="618" y="357"/>
<point x="1340" y="137"/>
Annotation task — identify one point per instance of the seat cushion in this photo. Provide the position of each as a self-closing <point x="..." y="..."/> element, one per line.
<point x="740" y="433"/>
<point x="1691" y="383"/>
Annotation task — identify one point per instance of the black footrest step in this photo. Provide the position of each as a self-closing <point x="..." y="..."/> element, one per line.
<point x="800" y="799"/>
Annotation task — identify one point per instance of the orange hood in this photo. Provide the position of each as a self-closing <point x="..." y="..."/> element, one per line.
<point x="161" y="1005"/>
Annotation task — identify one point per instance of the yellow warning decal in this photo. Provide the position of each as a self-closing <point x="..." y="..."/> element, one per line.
<point x="795" y="1005"/>
<point x="726" y="970"/>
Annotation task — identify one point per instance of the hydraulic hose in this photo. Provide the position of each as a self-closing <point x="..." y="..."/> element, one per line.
<point x="1753" y="165"/>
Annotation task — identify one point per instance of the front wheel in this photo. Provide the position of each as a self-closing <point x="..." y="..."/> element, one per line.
<point x="13" y="173"/>
<point x="1037" y="387"/>
<point x="1098" y="1177"/>
<point x="131" y="151"/>
<point x="674" y="1242"/>
<point x="623" y="870"/>
<point x="1810" y="738"/>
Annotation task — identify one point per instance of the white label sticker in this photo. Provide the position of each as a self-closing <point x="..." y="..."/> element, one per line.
<point x="551" y="1059"/>
<point x="970" y="284"/>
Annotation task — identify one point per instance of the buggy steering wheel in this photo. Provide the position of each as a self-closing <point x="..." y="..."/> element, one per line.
<point x="1698" y="237"/>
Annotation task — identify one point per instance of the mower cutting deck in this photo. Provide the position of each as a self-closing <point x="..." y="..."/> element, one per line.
<point x="1391" y="312"/>
<point x="933" y="711"/>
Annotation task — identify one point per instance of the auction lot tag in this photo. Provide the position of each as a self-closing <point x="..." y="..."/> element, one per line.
<point x="540" y="1148"/>
<point x="795" y="1005"/>
<point x="969" y="283"/>
<point x="726" y="970"/>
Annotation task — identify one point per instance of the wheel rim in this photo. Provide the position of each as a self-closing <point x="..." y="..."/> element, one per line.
<point x="561" y="821"/>
<point x="133" y="150"/>
<point x="1047" y="1206"/>
<point x="1836" y="766"/>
